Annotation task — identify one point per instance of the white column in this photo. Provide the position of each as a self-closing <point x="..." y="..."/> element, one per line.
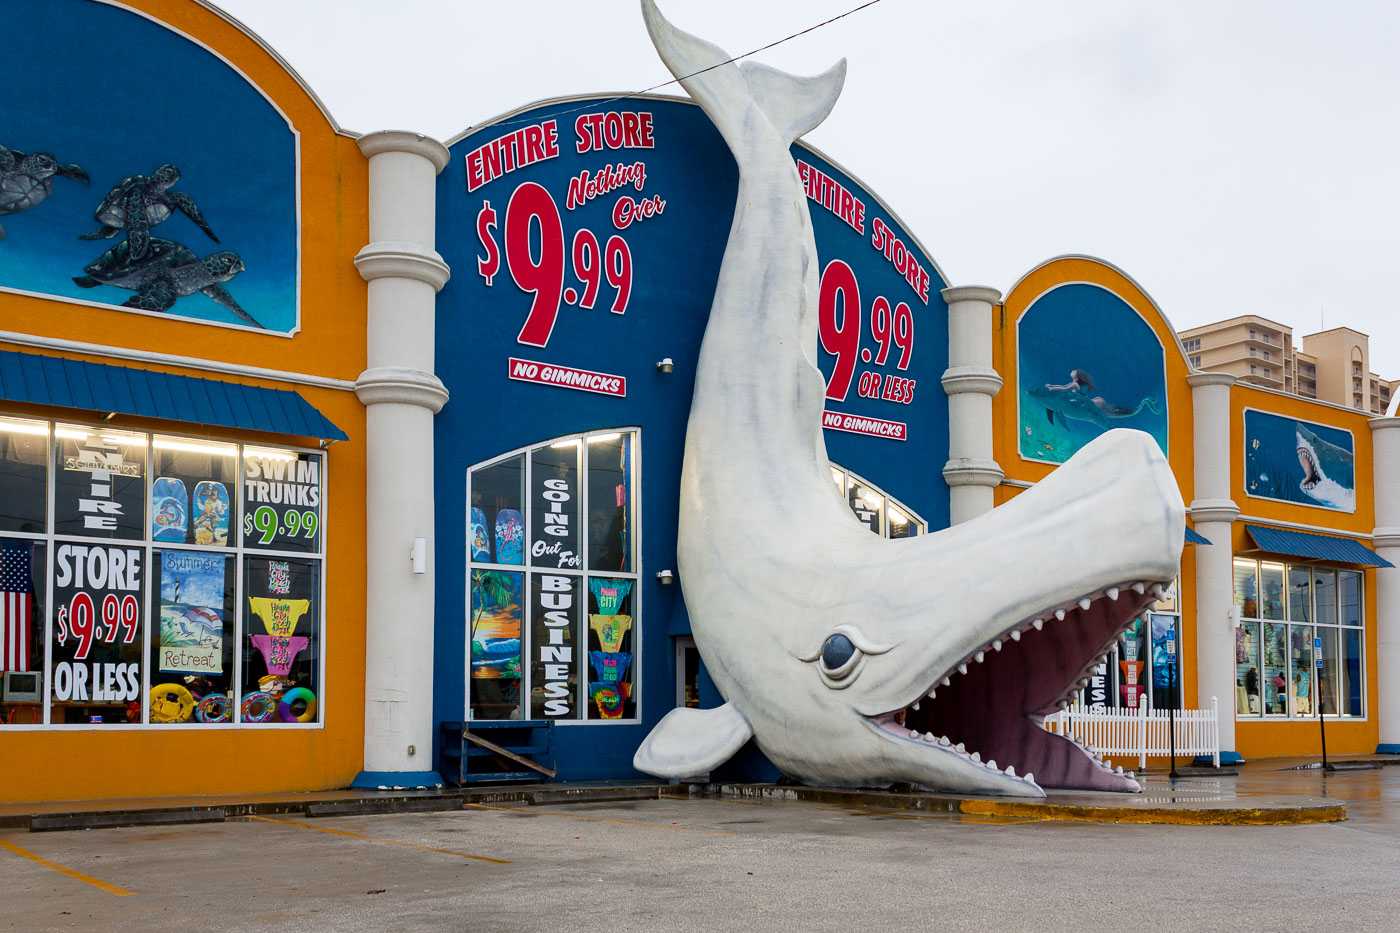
<point x="1385" y="455"/>
<point x="1213" y="513"/>
<point x="401" y="395"/>
<point x="970" y="381"/>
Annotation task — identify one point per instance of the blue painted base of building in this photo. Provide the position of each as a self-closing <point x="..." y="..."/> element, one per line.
<point x="1388" y="748"/>
<point x="1226" y="758"/>
<point x="377" y="780"/>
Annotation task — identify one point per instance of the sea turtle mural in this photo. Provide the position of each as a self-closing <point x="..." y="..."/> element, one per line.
<point x="139" y="202"/>
<point x="166" y="272"/>
<point x="27" y="180"/>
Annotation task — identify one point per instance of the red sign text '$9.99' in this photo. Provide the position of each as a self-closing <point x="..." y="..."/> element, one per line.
<point x="79" y="619"/>
<point x="891" y="328"/>
<point x="530" y="207"/>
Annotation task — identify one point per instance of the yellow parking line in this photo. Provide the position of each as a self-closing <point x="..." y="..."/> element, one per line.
<point x="64" y="870"/>
<point x="600" y="819"/>
<point x="387" y="842"/>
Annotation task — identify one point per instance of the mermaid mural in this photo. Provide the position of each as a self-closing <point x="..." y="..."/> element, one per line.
<point x="1115" y="367"/>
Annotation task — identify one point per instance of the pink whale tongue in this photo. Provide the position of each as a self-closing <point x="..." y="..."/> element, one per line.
<point x="995" y="708"/>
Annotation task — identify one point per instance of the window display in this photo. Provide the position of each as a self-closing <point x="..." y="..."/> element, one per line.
<point x="192" y="644"/>
<point x="145" y="576"/>
<point x="23" y="565"/>
<point x="548" y="641"/>
<point x="99" y="483"/>
<point x="24" y="475"/>
<point x="280" y="645"/>
<point x="194" y="492"/>
<point x="1299" y="604"/>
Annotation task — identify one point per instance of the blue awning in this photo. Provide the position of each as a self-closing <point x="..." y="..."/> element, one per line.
<point x="50" y="380"/>
<point x="1311" y="546"/>
<point x="1193" y="537"/>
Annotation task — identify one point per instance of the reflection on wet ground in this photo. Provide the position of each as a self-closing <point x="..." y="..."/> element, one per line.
<point x="1372" y="796"/>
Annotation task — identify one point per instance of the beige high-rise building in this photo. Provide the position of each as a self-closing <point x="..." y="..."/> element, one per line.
<point x="1333" y="365"/>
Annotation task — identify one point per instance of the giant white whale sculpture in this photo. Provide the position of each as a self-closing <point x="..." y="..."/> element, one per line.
<point x="854" y="660"/>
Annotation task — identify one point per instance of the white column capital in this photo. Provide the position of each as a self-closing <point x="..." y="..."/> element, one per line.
<point x="980" y="379"/>
<point x="1383" y="424"/>
<point x="1198" y="380"/>
<point x="1385" y="538"/>
<point x="400" y="259"/>
<point x="969" y="471"/>
<point x="1214" y="510"/>
<point x="373" y="144"/>
<point x="960" y="293"/>
<point x="402" y="386"/>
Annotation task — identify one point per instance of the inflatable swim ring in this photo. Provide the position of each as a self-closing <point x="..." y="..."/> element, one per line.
<point x="171" y="703"/>
<point x="258" y="707"/>
<point x="214" y="708"/>
<point x="284" y="709"/>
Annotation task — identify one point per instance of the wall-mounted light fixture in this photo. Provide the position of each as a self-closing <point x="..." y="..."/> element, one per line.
<point x="665" y="577"/>
<point x="665" y="366"/>
<point x="419" y="554"/>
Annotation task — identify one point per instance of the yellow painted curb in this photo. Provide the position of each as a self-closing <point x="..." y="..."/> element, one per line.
<point x="1243" y="816"/>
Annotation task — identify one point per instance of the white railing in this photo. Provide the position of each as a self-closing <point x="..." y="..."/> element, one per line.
<point x="1142" y="732"/>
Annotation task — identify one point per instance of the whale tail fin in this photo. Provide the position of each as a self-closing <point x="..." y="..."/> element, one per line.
<point x="792" y="104"/>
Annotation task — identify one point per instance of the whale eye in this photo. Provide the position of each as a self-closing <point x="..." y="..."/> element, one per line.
<point x="837" y="653"/>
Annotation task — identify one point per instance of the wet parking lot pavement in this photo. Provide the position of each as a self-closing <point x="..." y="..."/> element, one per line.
<point x="692" y="863"/>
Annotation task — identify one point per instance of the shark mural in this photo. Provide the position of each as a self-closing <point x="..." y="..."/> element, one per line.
<point x="1299" y="461"/>
<point x="1075" y="330"/>
<point x="850" y="659"/>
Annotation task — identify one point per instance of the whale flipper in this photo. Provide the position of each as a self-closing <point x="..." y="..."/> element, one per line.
<point x="692" y="741"/>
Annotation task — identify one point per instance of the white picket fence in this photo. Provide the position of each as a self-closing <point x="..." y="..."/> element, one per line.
<point x="1140" y="732"/>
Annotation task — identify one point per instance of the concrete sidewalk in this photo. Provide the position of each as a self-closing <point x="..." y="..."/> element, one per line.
<point x="1266" y="791"/>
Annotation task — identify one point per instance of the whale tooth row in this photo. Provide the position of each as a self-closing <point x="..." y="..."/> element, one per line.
<point x="1083" y="603"/>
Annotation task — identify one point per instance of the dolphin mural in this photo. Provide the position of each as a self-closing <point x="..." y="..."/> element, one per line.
<point x="1073" y="401"/>
<point x="1329" y="473"/>
<point x="850" y="659"/>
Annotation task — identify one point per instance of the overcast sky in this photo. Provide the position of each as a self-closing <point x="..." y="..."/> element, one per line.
<point x="1232" y="157"/>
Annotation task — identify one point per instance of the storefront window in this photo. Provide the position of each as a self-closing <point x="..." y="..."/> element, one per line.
<point x="100" y="483"/>
<point x="281" y="500"/>
<point x="23" y="565"/>
<point x="552" y="641"/>
<point x="1321" y="603"/>
<point x="194" y="491"/>
<point x="497" y="621"/>
<point x="610" y="539"/>
<point x="144" y="564"/>
<point x="1275" y="669"/>
<point x="24" y="475"/>
<point x="610" y="649"/>
<point x="1270" y="592"/>
<point x="281" y="648"/>
<point x="191" y="660"/>
<point x="99" y="594"/>
<point x="876" y="509"/>
<point x="1246" y="587"/>
<point x="1299" y="594"/>
<point x="1247" y="696"/>
<point x="1301" y="656"/>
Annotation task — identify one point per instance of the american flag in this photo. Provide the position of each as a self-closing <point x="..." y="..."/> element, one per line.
<point x="16" y="608"/>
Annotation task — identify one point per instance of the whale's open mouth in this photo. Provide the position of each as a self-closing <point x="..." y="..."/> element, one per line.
<point x="989" y="709"/>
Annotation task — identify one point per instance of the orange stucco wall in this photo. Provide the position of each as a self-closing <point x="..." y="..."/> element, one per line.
<point x="1263" y="738"/>
<point x="54" y="764"/>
